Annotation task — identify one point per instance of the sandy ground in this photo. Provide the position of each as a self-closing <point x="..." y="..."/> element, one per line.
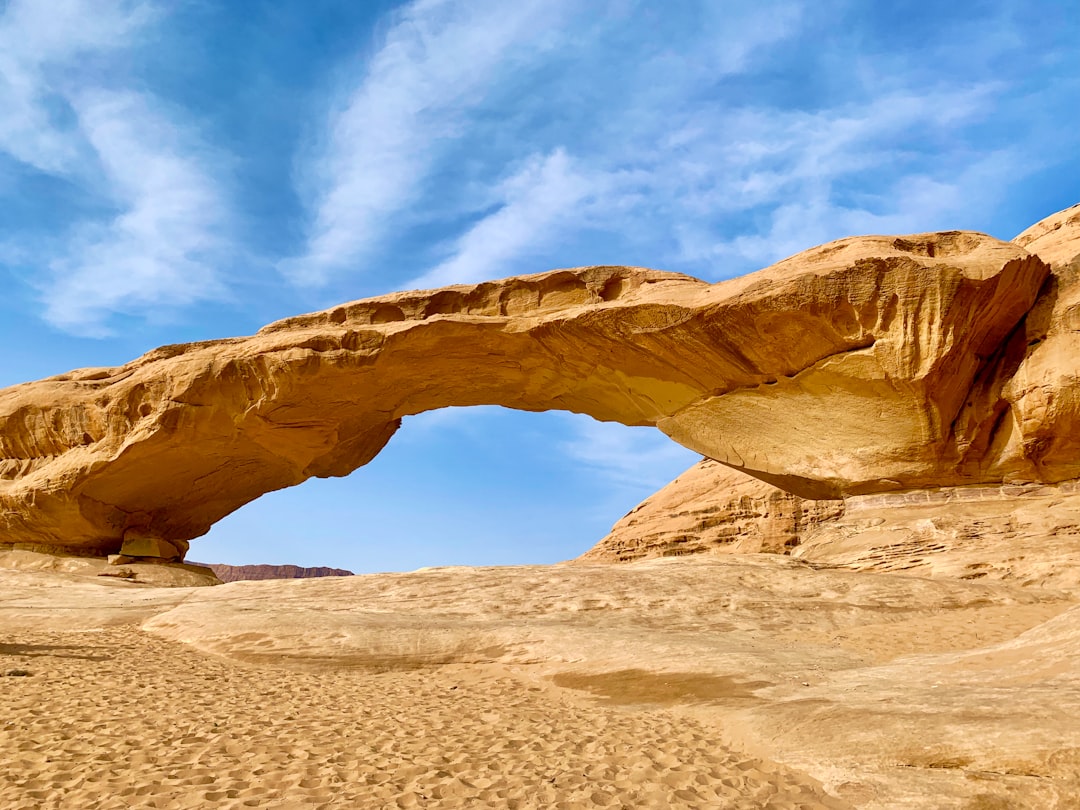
<point x="701" y="683"/>
<point x="118" y="718"/>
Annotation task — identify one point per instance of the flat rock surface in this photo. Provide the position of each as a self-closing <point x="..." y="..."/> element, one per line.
<point x="737" y="681"/>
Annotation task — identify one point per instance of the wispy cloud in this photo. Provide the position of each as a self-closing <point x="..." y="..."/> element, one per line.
<point x="798" y="174"/>
<point x="436" y="64"/>
<point x="671" y="180"/>
<point x="126" y="147"/>
<point x="632" y="457"/>
<point x="678" y="169"/>
<point x="532" y="204"/>
<point x="475" y="138"/>
<point x="159" y="250"/>
<point x="628" y="127"/>
<point x="620" y="163"/>
<point x="41" y="45"/>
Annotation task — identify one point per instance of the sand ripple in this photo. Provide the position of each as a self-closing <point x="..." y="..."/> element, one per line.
<point x="118" y="719"/>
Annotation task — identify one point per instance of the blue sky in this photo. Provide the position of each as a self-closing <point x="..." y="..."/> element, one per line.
<point x="191" y="170"/>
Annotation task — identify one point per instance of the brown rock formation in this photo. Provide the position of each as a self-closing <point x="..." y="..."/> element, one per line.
<point x="1023" y="418"/>
<point x="236" y="573"/>
<point x="1020" y="533"/>
<point x="866" y="365"/>
<point x="712" y="508"/>
<point x="1042" y="394"/>
<point x="1023" y="534"/>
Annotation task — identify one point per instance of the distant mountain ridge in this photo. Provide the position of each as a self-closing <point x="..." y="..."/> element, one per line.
<point x="234" y="573"/>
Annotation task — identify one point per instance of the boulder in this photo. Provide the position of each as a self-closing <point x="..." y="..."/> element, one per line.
<point x="140" y="545"/>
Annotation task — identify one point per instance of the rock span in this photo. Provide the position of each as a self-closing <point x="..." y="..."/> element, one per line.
<point x="1028" y="400"/>
<point x="869" y="364"/>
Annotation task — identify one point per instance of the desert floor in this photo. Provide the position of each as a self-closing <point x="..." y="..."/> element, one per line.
<point x="738" y="682"/>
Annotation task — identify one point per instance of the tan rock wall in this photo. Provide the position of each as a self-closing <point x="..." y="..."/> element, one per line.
<point x="713" y="509"/>
<point x="1027" y="534"/>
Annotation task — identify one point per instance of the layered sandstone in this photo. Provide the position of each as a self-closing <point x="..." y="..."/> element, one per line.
<point x="709" y="509"/>
<point x="1027" y="403"/>
<point x="1039" y="368"/>
<point x="870" y="364"/>
<point x="1021" y="533"/>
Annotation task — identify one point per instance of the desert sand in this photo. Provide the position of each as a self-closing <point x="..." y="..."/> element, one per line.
<point x="704" y="682"/>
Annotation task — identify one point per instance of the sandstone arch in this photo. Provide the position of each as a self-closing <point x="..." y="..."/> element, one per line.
<point x="846" y="369"/>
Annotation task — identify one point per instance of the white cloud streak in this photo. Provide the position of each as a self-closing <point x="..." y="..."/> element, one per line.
<point x="599" y="128"/>
<point x="630" y="457"/>
<point x="789" y="166"/>
<point x="534" y="202"/>
<point x="733" y="187"/>
<point x="436" y="64"/>
<point x="786" y="165"/>
<point x="615" y="190"/>
<point x="40" y="45"/>
<point x="156" y="252"/>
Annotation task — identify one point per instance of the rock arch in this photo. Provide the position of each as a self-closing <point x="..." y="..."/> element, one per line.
<point x="846" y="369"/>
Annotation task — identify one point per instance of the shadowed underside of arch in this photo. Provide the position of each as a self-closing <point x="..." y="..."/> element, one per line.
<point x="864" y="365"/>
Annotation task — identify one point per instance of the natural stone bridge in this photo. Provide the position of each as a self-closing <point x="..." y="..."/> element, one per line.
<point x="866" y="365"/>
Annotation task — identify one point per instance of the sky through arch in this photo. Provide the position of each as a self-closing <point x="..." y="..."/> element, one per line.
<point x="553" y="483"/>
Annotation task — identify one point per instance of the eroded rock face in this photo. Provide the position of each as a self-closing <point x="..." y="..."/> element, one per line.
<point x="713" y="509"/>
<point x="847" y="369"/>
<point x="1026" y="534"/>
<point x="1042" y="395"/>
<point x="1021" y="422"/>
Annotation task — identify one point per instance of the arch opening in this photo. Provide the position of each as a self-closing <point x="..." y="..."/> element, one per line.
<point x="481" y="485"/>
